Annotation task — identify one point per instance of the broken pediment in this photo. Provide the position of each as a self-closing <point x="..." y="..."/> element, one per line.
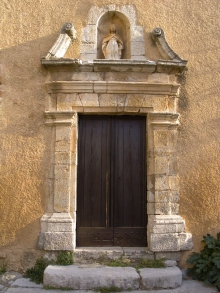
<point x="128" y="40"/>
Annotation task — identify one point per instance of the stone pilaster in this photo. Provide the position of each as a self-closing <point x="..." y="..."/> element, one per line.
<point x="58" y="228"/>
<point x="165" y="226"/>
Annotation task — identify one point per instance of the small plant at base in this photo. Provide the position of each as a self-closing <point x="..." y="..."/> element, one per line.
<point x="36" y="273"/>
<point x="3" y="268"/>
<point x="206" y="264"/>
<point x="151" y="263"/>
<point x="119" y="262"/>
<point x="65" y="258"/>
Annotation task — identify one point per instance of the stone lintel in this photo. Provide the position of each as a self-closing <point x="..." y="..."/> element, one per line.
<point x="112" y="87"/>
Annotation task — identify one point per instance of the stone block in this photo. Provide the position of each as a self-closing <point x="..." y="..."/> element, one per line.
<point x="87" y="76"/>
<point x="170" y="263"/>
<point x="168" y="255"/>
<point x="159" y="104"/>
<point x="161" y="182"/>
<point x="87" y="57"/>
<point x="164" y="242"/>
<point x="174" y="182"/>
<point x="107" y="100"/>
<point x="68" y="102"/>
<point x="62" y="158"/>
<point x="161" y="138"/>
<point x="161" y="165"/>
<point x="89" y="100"/>
<point x="134" y="100"/>
<point x="163" y="208"/>
<point x="91" y="254"/>
<point x="151" y="208"/>
<point x="130" y="12"/>
<point x="89" y="34"/>
<point x="185" y="240"/>
<point x="88" y="49"/>
<point x="150" y="196"/>
<point x="94" y="14"/>
<point x="167" y="278"/>
<point x="86" y="278"/>
<point x="59" y="241"/>
<point x="171" y="103"/>
<point x="158" y="78"/>
<point x="173" y="165"/>
<point x="138" y="57"/>
<point x="121" y="98"/>
<point x="137" y="253"/>
<point x="63" y="133"/>
<point x="138" y="48"/>
<point x="26" y="283"/>
<point x="137" y="34"/>
<point x="162" y="196"/>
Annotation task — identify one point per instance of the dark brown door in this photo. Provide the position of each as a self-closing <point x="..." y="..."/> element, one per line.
<point x="111" y="197"/>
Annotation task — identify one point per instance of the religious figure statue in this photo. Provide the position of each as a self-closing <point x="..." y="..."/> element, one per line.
<point x="112" y="44"/>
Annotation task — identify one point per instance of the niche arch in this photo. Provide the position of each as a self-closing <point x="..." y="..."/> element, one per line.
<point x="99" y="20"/>
<point x="123" y="30"/>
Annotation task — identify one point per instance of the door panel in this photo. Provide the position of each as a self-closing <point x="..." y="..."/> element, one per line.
<point x="111" y="200"/>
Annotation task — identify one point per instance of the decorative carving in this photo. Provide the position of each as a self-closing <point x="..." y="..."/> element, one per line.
<point x="166" y="51"/>
<point x="112" y="44"/>
<point x="67" y="35"/>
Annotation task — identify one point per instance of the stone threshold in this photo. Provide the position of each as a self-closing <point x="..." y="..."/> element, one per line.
<point x="90" y="277"/>
<point x="92" y="254"/>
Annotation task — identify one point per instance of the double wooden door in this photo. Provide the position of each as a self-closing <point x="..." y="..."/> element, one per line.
<point x="111" y="196"/>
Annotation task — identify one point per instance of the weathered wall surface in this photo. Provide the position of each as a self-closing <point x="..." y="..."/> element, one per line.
<point x="29" y="29"/>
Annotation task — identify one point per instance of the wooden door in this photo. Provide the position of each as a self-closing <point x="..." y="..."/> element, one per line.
<point x="111" y="197"/>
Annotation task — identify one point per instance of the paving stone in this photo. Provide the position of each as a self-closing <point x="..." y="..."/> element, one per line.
<point x="91" y="278"/>
<point x="9" y="276"/>
<point x="26" y="283"/>
<point x="162" y="278"/>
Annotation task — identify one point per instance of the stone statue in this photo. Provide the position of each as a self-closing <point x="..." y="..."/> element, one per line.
<point x="112" y="44"/>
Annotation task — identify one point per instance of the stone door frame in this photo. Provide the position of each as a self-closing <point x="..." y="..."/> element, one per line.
<point x="113" y="87"/>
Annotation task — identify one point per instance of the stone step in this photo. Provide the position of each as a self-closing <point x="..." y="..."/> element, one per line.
<point x="92" y="254"/>
<point x="88" y="277"/>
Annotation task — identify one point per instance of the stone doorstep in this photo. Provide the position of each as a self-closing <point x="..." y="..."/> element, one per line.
<point x="126" y="278"/>
<point x="92" y="254"/>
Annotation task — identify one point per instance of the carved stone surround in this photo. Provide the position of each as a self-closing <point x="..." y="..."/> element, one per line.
<point x="129" y="87"/>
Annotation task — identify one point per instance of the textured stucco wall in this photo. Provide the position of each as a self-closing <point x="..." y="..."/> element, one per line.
<point x="29" y="29"/>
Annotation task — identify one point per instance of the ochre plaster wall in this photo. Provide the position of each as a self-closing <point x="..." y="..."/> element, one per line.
<point x="29" y="29"/>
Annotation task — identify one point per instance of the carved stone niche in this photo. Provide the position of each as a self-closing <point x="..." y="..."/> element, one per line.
<point x="123" y="30"/>
<point x="114" y="87"/>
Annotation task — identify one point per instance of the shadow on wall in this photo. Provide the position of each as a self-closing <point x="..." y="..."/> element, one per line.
<point x="25" y="140"/>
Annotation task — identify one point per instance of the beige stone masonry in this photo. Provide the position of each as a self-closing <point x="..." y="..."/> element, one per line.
<point x="115" y="87"/>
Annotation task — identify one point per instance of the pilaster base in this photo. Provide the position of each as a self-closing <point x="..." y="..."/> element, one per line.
<point x="57" y="232"/>
<point x="165" y="233"/>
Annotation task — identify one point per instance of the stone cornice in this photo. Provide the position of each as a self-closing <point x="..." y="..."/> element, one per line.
<point x="126" y="65"/>
<point x="112" y="87"/>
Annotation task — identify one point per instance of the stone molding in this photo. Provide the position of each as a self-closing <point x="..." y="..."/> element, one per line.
<point x="99" y="65"/>
<point x="67" y="35"/>
<point x="166" y="51"/>
<point x="111" y="87"/>
<point x="114" y="87"/>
